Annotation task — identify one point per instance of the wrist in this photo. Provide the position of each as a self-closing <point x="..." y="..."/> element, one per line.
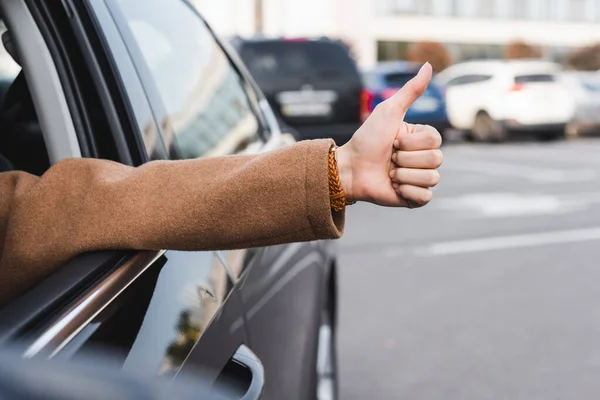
<point x="344" y="165"/>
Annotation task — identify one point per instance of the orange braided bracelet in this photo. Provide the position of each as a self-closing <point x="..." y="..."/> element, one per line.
<point x="337" y="196"/>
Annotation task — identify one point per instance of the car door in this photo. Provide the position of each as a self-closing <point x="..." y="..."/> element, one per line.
<point x="283" y="289"/>
<point x="154" y="312"/>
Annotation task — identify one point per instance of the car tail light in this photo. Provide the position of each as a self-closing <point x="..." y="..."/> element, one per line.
<point x="366" y="99"/>
<point x="517" y="87"/>
<point x="387" y="93"/>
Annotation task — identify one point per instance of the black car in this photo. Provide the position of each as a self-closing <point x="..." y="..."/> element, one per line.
<point x="312" y="84"/>
<point x="133" y="82"/>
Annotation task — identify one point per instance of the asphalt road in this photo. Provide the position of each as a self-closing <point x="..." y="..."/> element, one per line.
<point x="490" y="292"/>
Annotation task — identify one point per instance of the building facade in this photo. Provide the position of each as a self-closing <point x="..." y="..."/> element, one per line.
<point x="383" y="29"/>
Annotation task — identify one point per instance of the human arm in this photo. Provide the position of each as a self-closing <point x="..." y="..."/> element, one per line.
<point x="81" y="205"/>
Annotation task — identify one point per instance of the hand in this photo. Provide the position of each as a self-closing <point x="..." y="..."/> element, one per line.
<point x="389" y="162"/>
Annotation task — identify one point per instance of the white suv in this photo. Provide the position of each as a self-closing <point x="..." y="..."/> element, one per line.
<point x="489" y="99"/>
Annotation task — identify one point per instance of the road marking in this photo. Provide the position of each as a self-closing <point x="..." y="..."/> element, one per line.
<point x="501" y="204"/>
<point x="508" y="242"/>
<point x="546" y="156"/>
<point x="543" y="175"/>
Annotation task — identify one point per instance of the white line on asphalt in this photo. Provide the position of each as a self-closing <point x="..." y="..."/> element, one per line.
<point x="555" y="156"/>
<point x="535" y="174"/>
<point x="507" y="242"/>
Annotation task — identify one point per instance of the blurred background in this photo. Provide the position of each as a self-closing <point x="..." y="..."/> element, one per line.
<point x="490" y="292"/>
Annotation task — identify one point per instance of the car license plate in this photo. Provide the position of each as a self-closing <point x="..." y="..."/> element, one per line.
<point x="307" y="96"/>
<point x="306" y="110"/>
<point x="425" y="104"/>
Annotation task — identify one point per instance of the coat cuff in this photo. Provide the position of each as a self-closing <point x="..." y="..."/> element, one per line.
<point x="326" y="223"/>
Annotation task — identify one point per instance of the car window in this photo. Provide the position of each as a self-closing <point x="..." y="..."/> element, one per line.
<point x="535" y="78"/>
<point x="278" y="60"/>
<point x="467" y="79"/>
<point x="208" y="111"/>
<point x="22" y="143"/>
<point x="398" y="79"/>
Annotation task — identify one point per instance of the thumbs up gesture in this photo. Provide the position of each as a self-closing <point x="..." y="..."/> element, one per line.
<point x="388" y="161"/>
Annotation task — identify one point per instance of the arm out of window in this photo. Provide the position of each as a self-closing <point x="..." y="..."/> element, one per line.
<point x="82" y="205"/>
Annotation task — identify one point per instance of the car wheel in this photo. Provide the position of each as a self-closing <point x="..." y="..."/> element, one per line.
<point x="327" y="376"/>
<point x="486" y="129"/>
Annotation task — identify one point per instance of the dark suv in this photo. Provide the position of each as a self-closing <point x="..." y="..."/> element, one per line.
<point x="312" y="84"/>
<point x="133" y="82"/>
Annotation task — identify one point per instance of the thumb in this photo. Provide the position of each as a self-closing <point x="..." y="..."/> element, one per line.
<point x="413" y="89"/>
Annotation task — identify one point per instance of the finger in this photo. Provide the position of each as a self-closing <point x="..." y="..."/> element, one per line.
<point x="414" y="195"/>
<point x="425" y="178"/>
<point x="412" y="90"/>
<point x="424" y="159"/>
<point x="419" y="137"/>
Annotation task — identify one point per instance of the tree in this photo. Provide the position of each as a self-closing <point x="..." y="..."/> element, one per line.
<point x="436" y="53"/>
<point x="586" y="58"/>
<point x="520" y="49"/>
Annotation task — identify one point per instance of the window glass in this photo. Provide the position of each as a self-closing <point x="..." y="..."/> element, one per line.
<point x="466" y="79"/>
<point x="281" y="60"/>
<point x="399" y="79"/>
<point x="208" y="110"/>
<point x="534" y="78"/>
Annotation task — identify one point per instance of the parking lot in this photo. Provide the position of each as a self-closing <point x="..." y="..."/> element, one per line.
<point x="490" y="292"/>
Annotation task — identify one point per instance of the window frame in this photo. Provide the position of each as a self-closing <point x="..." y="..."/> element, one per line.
<point x="22" y="318"/>
<point x="44" y="83"/>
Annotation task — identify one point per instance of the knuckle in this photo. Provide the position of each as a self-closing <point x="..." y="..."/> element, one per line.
<point x="437" y="158"/>
<point x="404" y="191"/>
<point x="434" y="178"/>
<point x="434" y="139"/>
<point x="425" y="197"/>
<point x="413" y="90"/>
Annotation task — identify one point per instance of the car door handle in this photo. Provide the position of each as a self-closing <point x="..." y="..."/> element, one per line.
<point x="242" y="378"/>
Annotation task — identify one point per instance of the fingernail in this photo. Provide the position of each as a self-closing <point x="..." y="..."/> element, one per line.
<point x="392" y="173"/>
<point x="394" y="157"/>
<point x="424" y="65"/>
<point x="395" y="186"/>
<point x="396" y="143"/>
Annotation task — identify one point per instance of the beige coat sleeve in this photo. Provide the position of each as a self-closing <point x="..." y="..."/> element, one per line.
<point x="81" y="205"/>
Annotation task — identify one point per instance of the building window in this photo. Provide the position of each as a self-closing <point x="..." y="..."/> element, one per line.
<point x="541" y="9"/>
<point x="391" y="7"/>
<point x="519" y="9"/>
<point x="425" y="7"/>
<point x="578" y="10"/>
<point x="486" y="9"/>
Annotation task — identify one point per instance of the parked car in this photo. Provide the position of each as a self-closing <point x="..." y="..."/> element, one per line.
<point x="491" y="99"/>
<point x="313" y="85"/>
<point x="584" y="87"/>
<point x="131" y="84"/>
<point x="386" y="78"/>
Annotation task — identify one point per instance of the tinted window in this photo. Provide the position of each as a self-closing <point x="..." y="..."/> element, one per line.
<point x="534" y="78"/>
<point x="467" y="79"/>
<point x="398" y="79"/>
<point x="272" y="60"/>
<point x="208" y="111"/>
